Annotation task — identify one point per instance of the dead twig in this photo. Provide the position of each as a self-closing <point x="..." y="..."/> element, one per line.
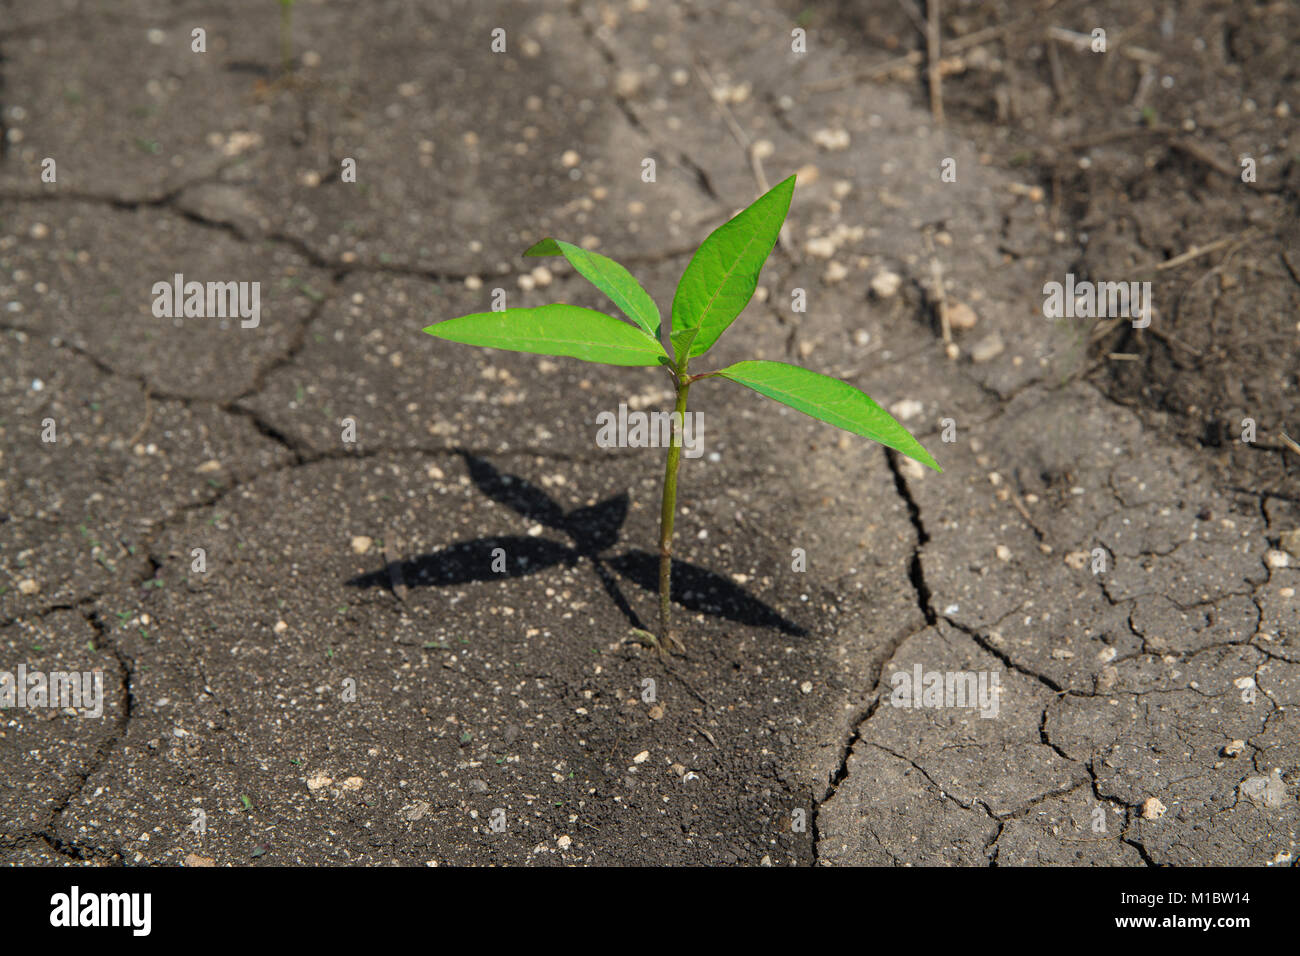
<point x="1083" y="42"/>
<point x="676" y="675"/>
<point x="907" y="61"/>
<point x="914" y="58"/>
<point x="954" y="46"/>
<point x="932" y="57"/>
<point x="1291" y="270"/>
<point x="751" y="148"/>
<point x="1103" y="329"/>
<point x="1058" y="74"/>
<point x="940" y="299"/>
<point x="1174" y="340"/>
<point x="148" y="417"/>
<point x="707" y="736"/>
<point x="1024" y="512"/>
<point x="913" y="14"/>
<point x="1195" y="252"/>
<point x="1198" y="152"/>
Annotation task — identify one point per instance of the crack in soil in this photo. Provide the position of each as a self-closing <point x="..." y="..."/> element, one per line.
<point x="698" y="174"/>
<point x="917" y="577"/>
<point x="71" y="848"/>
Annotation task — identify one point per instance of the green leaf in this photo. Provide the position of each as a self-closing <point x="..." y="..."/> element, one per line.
<point x="723" y="273"/>
<point x="830" y="400"/>
<point x="556" y="330"/>
<point x="610" y="278"/>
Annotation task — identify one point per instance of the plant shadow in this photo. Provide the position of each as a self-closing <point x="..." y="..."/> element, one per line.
<point x="591" y="531"/>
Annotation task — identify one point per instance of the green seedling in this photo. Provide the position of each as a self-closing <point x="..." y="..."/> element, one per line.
<point x="286" y="35"/>
<point x="716" y="286"/>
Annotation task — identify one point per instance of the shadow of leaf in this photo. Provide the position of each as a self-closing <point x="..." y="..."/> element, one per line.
<point x="595" y="528"/>
<point x="696" y="589"/>
<point x="472" y="561"/>
<point x="517" y="494"/>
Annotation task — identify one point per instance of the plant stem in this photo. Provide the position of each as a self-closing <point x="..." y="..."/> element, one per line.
<point x="667" y="514"/>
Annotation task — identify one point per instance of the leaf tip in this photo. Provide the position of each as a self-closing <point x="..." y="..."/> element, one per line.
<point x="543" y="247"/>
<point x="925" y="458"/>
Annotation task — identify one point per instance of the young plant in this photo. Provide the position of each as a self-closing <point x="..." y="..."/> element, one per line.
<point x="286" y="35"/>
<point x="715" y="287"/>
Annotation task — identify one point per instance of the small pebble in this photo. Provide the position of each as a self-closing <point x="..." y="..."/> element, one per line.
<point x="912" y="469"/>
<point x="1266" y="792"/>
<point x="806" y="175"/>
<point x="1153" y="809"/>
<point x="832" y="139"/>
<point x="820" y="247"/>
<point x="1289" y="541"/>
<point x="885" y="283"/>
<point x="361" y="544"/>
<point x="988" y="348"/>
<point x="627" y="83"/>
<point x="961" y="317"/>
<point x="906" y="408"/>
